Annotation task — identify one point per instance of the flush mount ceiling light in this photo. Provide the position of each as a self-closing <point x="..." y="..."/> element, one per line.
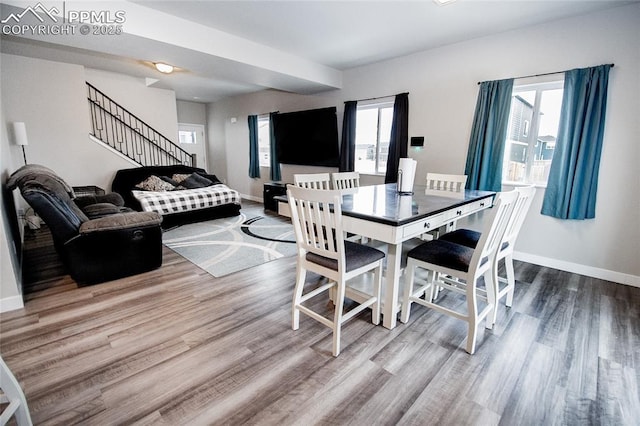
<point x="443" y="2"/>
<point x="163" y="68"/>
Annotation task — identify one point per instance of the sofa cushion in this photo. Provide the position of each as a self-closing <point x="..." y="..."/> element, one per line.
<point x="96" y="210"/>
<point x="121" y="221"/>
<point x="194" y="181"/>
<point x="154" y="183"/>
<point x="111" y="198"/>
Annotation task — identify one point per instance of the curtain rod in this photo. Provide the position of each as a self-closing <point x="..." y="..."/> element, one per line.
<point x="545" y="73"/>
<point x="380" y="97"/>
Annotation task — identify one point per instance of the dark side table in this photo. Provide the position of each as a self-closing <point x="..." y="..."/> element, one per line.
<point x="270" y="190"/>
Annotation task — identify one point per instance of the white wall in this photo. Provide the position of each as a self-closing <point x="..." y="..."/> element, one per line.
<point x="191" y="112"/>
<point x="10" y="274"/>
<point x="156" y="107"/>
<point x="443" y="89"/>
<point x="232" y="138"/>
<point x="51" y="98"/>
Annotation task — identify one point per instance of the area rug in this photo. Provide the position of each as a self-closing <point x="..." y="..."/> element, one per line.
<point x="224" y="246"/>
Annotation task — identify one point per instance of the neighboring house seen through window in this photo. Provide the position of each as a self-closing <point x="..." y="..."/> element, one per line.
<point x="373" y="130"/>
<point x="532" y="132"/>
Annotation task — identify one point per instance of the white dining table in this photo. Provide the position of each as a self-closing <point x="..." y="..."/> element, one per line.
<point x="381" y="213"/>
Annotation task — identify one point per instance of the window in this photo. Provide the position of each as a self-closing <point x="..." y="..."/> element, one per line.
<point x="532" y="132"/>
<point x="373" y="132"/>
<point x="187" y="136"/>
<point x="264" y="145"/>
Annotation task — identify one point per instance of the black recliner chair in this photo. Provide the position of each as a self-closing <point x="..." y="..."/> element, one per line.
<point x="97" y="238"/>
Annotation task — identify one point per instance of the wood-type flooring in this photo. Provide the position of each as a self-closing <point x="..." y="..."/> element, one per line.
<point x="176" y="346"/>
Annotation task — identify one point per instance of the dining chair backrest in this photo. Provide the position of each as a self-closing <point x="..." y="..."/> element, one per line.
<point x="445" y="182"/>
<point x="495" y="224"/>
<point x="313" y="180"/>
<point x="317" y="222"/>
<point x="518" y="214"/>
<point x="345" y="180"/>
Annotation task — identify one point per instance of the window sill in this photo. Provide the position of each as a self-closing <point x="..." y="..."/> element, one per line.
<point x="521" y="184"/>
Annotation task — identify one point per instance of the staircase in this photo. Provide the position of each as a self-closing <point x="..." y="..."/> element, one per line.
<point x="121" y="130"/>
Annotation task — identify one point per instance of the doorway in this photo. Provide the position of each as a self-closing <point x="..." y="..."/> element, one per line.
<point x="191" y="137"/>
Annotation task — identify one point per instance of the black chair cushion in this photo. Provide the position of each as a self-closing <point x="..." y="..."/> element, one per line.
<point x="356" y="256"/>
<point x="444" y="253"/>
<point x="466" y="237"/>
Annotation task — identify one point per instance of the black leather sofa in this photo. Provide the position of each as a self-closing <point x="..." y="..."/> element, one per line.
<point x="125" y="181"/>
<point x="98" y="239"/>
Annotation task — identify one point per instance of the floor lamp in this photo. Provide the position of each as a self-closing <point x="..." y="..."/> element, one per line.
<point x="20" y="134"/>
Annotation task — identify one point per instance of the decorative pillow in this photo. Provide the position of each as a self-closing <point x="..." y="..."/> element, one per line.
<point x="154" y="183"/>
<point x="169" y="180"/>
<point x="179" y="177"/>
<point x="213" y="178"/>
<point x="194" y="181"/>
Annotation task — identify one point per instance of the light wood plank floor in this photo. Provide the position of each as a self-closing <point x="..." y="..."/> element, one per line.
<point x="178" y="346"/>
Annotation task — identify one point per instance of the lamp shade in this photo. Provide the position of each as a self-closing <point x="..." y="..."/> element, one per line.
<point x="20" y="133"/>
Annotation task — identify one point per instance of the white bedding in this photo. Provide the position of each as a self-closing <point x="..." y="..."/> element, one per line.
<point x="167" y="202"/>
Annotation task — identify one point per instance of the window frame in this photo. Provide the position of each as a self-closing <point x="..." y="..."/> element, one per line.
<point x="267" y="162"/>
<point x="379" y="104"/>
<point x="533" y="127"/>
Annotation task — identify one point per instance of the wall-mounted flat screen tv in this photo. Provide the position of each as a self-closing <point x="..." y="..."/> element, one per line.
<point x="307" y="137"/>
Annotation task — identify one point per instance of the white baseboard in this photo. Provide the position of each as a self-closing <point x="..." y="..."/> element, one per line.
<point x="11" y="303"/>
<point x="590" y="271"/>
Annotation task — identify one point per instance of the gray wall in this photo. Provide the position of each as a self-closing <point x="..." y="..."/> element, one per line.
<point x="443" y="89"/>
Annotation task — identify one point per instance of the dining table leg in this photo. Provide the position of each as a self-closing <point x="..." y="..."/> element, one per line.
<point x="392" y="284"/>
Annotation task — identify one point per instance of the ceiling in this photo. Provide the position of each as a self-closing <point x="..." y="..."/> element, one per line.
<point x="226" y="48"/>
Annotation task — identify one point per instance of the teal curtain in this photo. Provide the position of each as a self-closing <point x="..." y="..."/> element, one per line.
<point x="348" y="145"/>
<point x="254" y="160"/>
<point x="573" y="177"/>
<point x="275" y="164"/>
<point x="399" y="138"/>
<point x="488" y="135"/>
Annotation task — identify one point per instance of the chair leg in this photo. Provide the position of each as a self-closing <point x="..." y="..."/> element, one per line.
<point x="511" y="279"/>
<point x="301" y="275"/>
<point x="435" y="288"/>
<point x="12" y="393"/>
<point x="472" y="319"/>
<point x="432" y="277"/>
<point x="491" y="283"/>
<point x="408" y="289"/>
<point x="375" y="309"/>
<point x="337" y="316"/>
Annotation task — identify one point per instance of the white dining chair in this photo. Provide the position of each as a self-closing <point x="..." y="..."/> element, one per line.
<point x="447" y="185"/>
<point x="345" y="180"/>
<point x="458" y="268"/>
<point x="322" y="249"/>
<point x="11" y="394"/>
<point x="446" y="182"/>
<point x="470" y="238"/>
<point x="313" y="180"/>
